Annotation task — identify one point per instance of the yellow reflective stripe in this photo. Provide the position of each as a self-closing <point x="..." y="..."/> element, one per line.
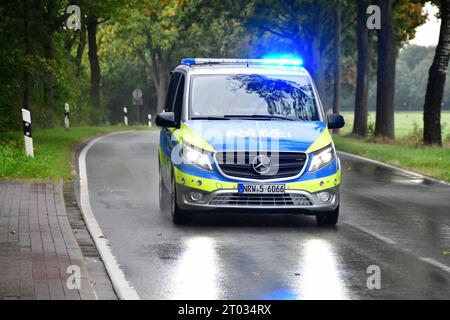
<point x="210" y="185"/>
<point x="321" y="142"/>
<point x="165" y="161"/>
<point x="186" y="134"/>
<point x="314" y="185"/>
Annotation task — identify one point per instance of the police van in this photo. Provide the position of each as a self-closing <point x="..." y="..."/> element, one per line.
<point x="244" y="135"/>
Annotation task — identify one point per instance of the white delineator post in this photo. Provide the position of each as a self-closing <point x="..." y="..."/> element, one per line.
<point x="125" y="117"/>
<point x="26" y="117"/>
<point x="66" y="116"/>
<point x="149" y="120"/>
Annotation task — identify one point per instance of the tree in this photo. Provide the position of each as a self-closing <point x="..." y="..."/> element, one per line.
<point x="363" y="71"/>
<point x="51" y="23"/>
<point x="98" y="12"/>
<point x="436" y="81"/>
<point x="160" y="33"/>
<point x="303" y="26"/>
<point x="337" y="57"/>
<point x="399" y="19"/>
<point x="387" y="56"/>
<point x="26" y="41"/>
<point x="92" y="24"/>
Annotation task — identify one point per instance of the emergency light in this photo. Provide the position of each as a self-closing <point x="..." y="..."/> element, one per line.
<point x="271" y="61"/>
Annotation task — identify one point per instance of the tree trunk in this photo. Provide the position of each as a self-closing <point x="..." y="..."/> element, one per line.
<point x="26" y="80"/>
<point x="387" y="59"/>
<point x="80" y="51"/>
<point x="163" y="83"/>
<point x="48" y="76"/>
<point x="93" y="61"/>
<point x="337" y="59"/>
<point x="436" y="82"/>
<point x="158" y="71"/>
<point x="49" y="56"/>
<point x="363" y="72"/>
<point x="319" y="71"/>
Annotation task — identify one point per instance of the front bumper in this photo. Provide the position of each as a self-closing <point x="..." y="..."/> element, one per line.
<point x="297" y="201"/>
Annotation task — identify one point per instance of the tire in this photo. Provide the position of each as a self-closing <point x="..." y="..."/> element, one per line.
<point x="163" y="194"/>
<point x="328" y="218"/>
<point x="179" y="216"/>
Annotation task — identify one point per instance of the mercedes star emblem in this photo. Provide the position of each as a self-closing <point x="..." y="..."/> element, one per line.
<point x="261" y="164"/>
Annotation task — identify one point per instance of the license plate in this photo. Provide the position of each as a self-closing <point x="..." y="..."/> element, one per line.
<point x="260" y="188"/>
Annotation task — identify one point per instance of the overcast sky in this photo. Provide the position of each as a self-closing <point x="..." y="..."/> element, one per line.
<point x="428" y="34"/>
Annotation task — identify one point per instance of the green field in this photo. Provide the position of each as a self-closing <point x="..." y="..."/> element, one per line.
<point x="53" y="149"/>
<point x="404" y="122"/>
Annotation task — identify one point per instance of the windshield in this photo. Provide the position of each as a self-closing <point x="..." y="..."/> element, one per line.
<point x="253" y="96"/>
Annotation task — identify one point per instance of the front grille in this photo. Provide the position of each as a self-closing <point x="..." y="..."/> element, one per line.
<point x="236" y="199"/>
<point x="241" y="164"/>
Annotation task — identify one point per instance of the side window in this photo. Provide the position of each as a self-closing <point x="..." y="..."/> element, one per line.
<point x="168" y="106"/>
<point x="178" y="105"/>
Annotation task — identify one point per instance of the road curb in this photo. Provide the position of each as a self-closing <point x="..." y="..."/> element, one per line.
<point x="101" y="283"/>
<point x="123" y="288"/>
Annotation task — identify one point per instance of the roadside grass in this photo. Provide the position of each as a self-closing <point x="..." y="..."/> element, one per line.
<point x="53" y="150"/>
<point x="407" y="151"/>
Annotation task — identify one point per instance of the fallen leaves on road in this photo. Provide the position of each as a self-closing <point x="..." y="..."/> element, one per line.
<point x="446" y="253"/>
<point x="13" y="231"/>
<point x="256" y="274"/>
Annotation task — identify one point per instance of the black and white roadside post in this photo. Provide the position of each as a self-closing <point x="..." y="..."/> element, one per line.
<point x="26" y="117"/>
<point x="66" y="116"/>
<point x="149" y="120"/>
<point x="125" y="115"/>
<point x="137" y="101"/>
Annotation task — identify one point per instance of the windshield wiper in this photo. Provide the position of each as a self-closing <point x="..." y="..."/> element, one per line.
<point x="209" y="118"/>
<point x="258" y="116"/>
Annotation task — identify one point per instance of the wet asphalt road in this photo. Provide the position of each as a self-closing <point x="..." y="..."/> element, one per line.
<point x="390" y="219"/>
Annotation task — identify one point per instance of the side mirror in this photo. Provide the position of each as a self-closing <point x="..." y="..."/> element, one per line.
<point x="335" y="121"/>
<point x="165" y="119"/>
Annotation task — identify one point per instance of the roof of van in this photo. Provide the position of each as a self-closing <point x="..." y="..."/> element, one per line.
<point x="292" y="66"/>
<point x="243" y="69"/>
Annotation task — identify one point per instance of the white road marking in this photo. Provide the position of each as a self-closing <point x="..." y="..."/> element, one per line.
<point x="435" y="263"/>
<point x="431" y="261"/>
<point x="415" y="174"/>
<point x="373" y="234"/>
<point x="122" y="287"/>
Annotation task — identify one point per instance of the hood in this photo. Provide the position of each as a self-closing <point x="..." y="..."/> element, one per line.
<point x="230" y="135"/>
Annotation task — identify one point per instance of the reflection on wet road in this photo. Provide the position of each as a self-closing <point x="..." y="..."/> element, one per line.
<point x="390" y="219"/>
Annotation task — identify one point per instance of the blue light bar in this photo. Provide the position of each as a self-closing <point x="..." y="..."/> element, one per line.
<point x="271" y="61"/>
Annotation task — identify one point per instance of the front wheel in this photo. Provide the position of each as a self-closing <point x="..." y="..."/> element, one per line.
<point x="328" y="218"/>
<point x="179" y="216"/>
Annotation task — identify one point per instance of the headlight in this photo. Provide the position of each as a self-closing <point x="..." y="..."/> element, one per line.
<point x="196" y="156"/>
<point x="322" y="157"/>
